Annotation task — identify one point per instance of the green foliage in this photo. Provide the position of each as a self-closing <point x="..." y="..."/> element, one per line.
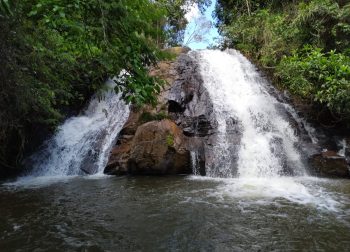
<point x="325" y="77"/>
<point x="176" y="21"/>
<point x="170" y="140"/>
<point x="263" y="35"/>
<point x="5" y="8"/>
<point x="305" y="45"/>
<point x="56" y="53"/>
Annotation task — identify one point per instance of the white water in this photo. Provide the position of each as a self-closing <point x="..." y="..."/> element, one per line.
<point x="238" y="91"/>
<point x="83" y="142"/>
<point x="268" y="140"/>
<point x="308" y="191"/>
<point x="343" y="145"/>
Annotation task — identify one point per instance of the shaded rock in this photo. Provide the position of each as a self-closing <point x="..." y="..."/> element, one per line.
<point x="131" y="124"/>
<point x="189" y="102"/>
<point x="330" y="164"/>
<point x="118" y="161"/>
<point x="119" y="156"/>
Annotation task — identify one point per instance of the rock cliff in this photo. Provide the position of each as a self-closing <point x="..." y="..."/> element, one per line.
<point x="179" y="134"/>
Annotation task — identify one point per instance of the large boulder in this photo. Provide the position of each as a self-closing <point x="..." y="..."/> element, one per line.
<point x="157" y="148"/>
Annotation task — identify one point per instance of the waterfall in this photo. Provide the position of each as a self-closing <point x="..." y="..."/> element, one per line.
<point x="82" y="143"/>
<point x="240" y="96"/>
<point x="268" y="145"/>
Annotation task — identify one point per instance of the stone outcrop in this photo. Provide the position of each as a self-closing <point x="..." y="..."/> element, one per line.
<point x="142" y="146"/>
<point x="150" y="143"/>
<point x="161" y="140"/>
<point x="189" y="101"/>
<point x="192" y="109"/>
<point x="330" y="164"/>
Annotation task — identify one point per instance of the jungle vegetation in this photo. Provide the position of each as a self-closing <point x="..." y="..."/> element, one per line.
<point x="303" y="44"/>
<point x="54" y="54"/>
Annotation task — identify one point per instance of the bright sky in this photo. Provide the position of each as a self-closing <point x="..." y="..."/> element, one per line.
<point x="191" y="15"/>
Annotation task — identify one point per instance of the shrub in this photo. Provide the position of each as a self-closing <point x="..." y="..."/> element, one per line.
<point x="324" y="77"/>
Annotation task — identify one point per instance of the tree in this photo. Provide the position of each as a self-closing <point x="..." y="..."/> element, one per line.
<point x="198" y="31"/>
<point x="304" y="45"/>
<point x="176" y="22"/>
<point x="54" y="54"/>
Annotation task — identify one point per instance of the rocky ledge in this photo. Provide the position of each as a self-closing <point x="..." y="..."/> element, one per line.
<point x="151" y="143"/>
<point x="161" y="140"/>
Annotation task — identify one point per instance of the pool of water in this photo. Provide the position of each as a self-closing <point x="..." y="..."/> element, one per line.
<point x="174" y="214"/>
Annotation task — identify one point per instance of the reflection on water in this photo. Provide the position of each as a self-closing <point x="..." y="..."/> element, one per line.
<point x="175" y="214"/>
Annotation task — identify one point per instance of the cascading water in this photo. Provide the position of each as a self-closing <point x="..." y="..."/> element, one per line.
<point x="268" y="158"/>
<point x="259" y="210"/>
<point x="82" y="143"/>
<point x="268" y="141"/>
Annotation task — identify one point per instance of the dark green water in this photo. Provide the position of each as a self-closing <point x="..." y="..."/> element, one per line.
<point x="175" y="214"/>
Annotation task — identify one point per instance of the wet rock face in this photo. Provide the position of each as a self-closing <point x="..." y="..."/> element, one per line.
<point x="89" y="163"/>
<point x="330" y="164"/>
<point x="192" y="109"/>
<point x="189" y="101"/>
<point x="143" y="148"/>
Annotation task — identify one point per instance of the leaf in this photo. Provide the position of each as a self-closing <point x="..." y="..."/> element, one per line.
<point x="32" y="13"/>
<point x="5" y="7"/>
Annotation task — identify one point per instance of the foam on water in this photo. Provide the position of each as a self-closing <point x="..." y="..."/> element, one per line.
<point x="31" y="182"/>
<point x="308" y="191"/>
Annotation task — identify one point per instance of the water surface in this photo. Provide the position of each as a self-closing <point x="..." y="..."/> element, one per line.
<point x="175" y="214"/>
